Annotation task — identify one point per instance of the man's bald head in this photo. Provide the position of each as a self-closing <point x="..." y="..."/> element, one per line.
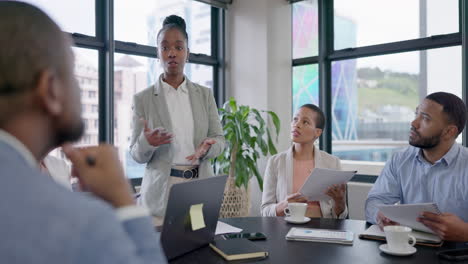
<point x="31" y="42"/>
<point x="36" y="72"/>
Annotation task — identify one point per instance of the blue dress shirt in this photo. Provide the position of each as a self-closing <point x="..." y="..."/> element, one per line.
<point x="409" y="178"/>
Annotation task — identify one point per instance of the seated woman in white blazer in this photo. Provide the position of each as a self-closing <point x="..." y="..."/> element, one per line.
<point x="287" y="171"/>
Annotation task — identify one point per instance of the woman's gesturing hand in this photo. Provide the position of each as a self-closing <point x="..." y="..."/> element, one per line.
<point x="156" y="137"/>
<point x="201" y="150"/>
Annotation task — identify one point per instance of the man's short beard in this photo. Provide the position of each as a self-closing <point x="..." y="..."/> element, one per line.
<point x="426" y="143"/>
<point x="70" y="134"/>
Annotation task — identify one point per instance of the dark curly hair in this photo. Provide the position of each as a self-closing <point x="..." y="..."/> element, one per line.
<point x="174" y="21"/>
<point x="453" y="107"/>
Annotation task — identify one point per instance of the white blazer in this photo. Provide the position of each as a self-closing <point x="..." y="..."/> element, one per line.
<point x="150" y="104"/>
<point x="278" y="181"/>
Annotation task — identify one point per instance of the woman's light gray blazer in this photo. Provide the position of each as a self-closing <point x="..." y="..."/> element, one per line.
<point x="278" y="181"/>
<point x="150" y="104"/>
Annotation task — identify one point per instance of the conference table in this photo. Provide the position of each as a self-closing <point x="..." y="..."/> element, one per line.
<point x="291" y="252"/>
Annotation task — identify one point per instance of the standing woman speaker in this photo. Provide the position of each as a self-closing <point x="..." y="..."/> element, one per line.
<point x="175" y="124"/>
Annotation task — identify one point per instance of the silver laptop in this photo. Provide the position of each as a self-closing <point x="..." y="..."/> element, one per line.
<point x="177" y="236"/>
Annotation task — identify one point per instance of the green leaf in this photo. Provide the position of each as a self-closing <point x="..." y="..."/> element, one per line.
<point x="271" y="146"/>
<point x="259" y="118"/>
<point x="276" y="122"/>
<point x="233" y="104"/>
<point x="263" y="145"/>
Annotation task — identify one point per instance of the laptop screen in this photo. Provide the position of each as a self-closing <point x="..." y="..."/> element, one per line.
<point x="190" y="205"/>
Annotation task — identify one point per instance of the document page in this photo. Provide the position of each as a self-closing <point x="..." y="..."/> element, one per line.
<point x="319" y="180"/>
<point x="223" y="228"/>
<point x="374" y="231"/>
<point x="406" y="214"/>
<point x="320" y="235"/>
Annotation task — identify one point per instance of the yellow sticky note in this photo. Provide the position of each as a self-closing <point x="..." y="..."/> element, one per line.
<point x="196" y="216"/>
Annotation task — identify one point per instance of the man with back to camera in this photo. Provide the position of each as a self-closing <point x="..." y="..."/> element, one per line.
<point x="40" y="109"/>
<point x="433" y="169"/>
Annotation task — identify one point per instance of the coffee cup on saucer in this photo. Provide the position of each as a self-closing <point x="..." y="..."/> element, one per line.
<point x="295" y="213"/>
<point x="399" y="241"/>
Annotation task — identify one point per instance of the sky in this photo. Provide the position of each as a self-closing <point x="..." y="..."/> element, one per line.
<point x="381" y="21"/>
<point x="79" y="16"/>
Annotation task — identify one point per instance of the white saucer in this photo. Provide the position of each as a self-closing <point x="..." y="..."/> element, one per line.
<point x="411" y="250"/>
<point x="303" y="221"/>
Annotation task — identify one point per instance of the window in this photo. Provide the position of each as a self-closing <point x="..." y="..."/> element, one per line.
<point x="86" y="62"/>
<point x="200" y="74"/>
<point x="374" y="99"/>
<point x="305" y="85"/>
<point x="373" y="85"/>
<point x="305" y="29"/>
<point x="72" y="16"/>
<point x="369" y="22"/>
<point x="149" y="16"/>
<point x="132" y="74"/>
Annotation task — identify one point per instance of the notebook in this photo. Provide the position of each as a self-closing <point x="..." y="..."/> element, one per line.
<point x="320" y="235"/>
<point x="406" y="214"/>
<point x="237" y="249"/>
<point x="422" y="238"/>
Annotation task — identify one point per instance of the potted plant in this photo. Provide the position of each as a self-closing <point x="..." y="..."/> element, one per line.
<point x="247" y="137"/>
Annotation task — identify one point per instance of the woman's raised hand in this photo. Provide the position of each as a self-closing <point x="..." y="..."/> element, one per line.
<point x="156" y="137"/>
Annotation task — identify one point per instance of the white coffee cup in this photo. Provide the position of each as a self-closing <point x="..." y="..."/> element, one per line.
<point x="398" y="238"/>
<point x="296" y="211"/>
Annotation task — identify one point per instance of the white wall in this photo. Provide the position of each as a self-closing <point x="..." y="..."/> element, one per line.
<point x="258" y="64"/>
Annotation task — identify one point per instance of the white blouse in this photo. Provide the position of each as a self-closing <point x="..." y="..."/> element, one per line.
<point x="180" y="113"/>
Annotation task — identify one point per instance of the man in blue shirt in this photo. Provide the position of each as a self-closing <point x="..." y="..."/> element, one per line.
<point x="433" y="169"/>
<point x="42" y="222"/>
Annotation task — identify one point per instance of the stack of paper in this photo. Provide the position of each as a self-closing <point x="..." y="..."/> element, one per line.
<point x="320" y="235"/>
<point x="406" y="214"/>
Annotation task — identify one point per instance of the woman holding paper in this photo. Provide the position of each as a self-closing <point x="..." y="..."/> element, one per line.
<point x="286" y="172"/>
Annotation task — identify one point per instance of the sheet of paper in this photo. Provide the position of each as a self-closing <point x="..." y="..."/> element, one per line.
<point x="223" y="228"/>
<point x="374" y="230"/>
<point x="320" y="179"/>
<point x="406" y="214"/>
<point x="196" y="216"/>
